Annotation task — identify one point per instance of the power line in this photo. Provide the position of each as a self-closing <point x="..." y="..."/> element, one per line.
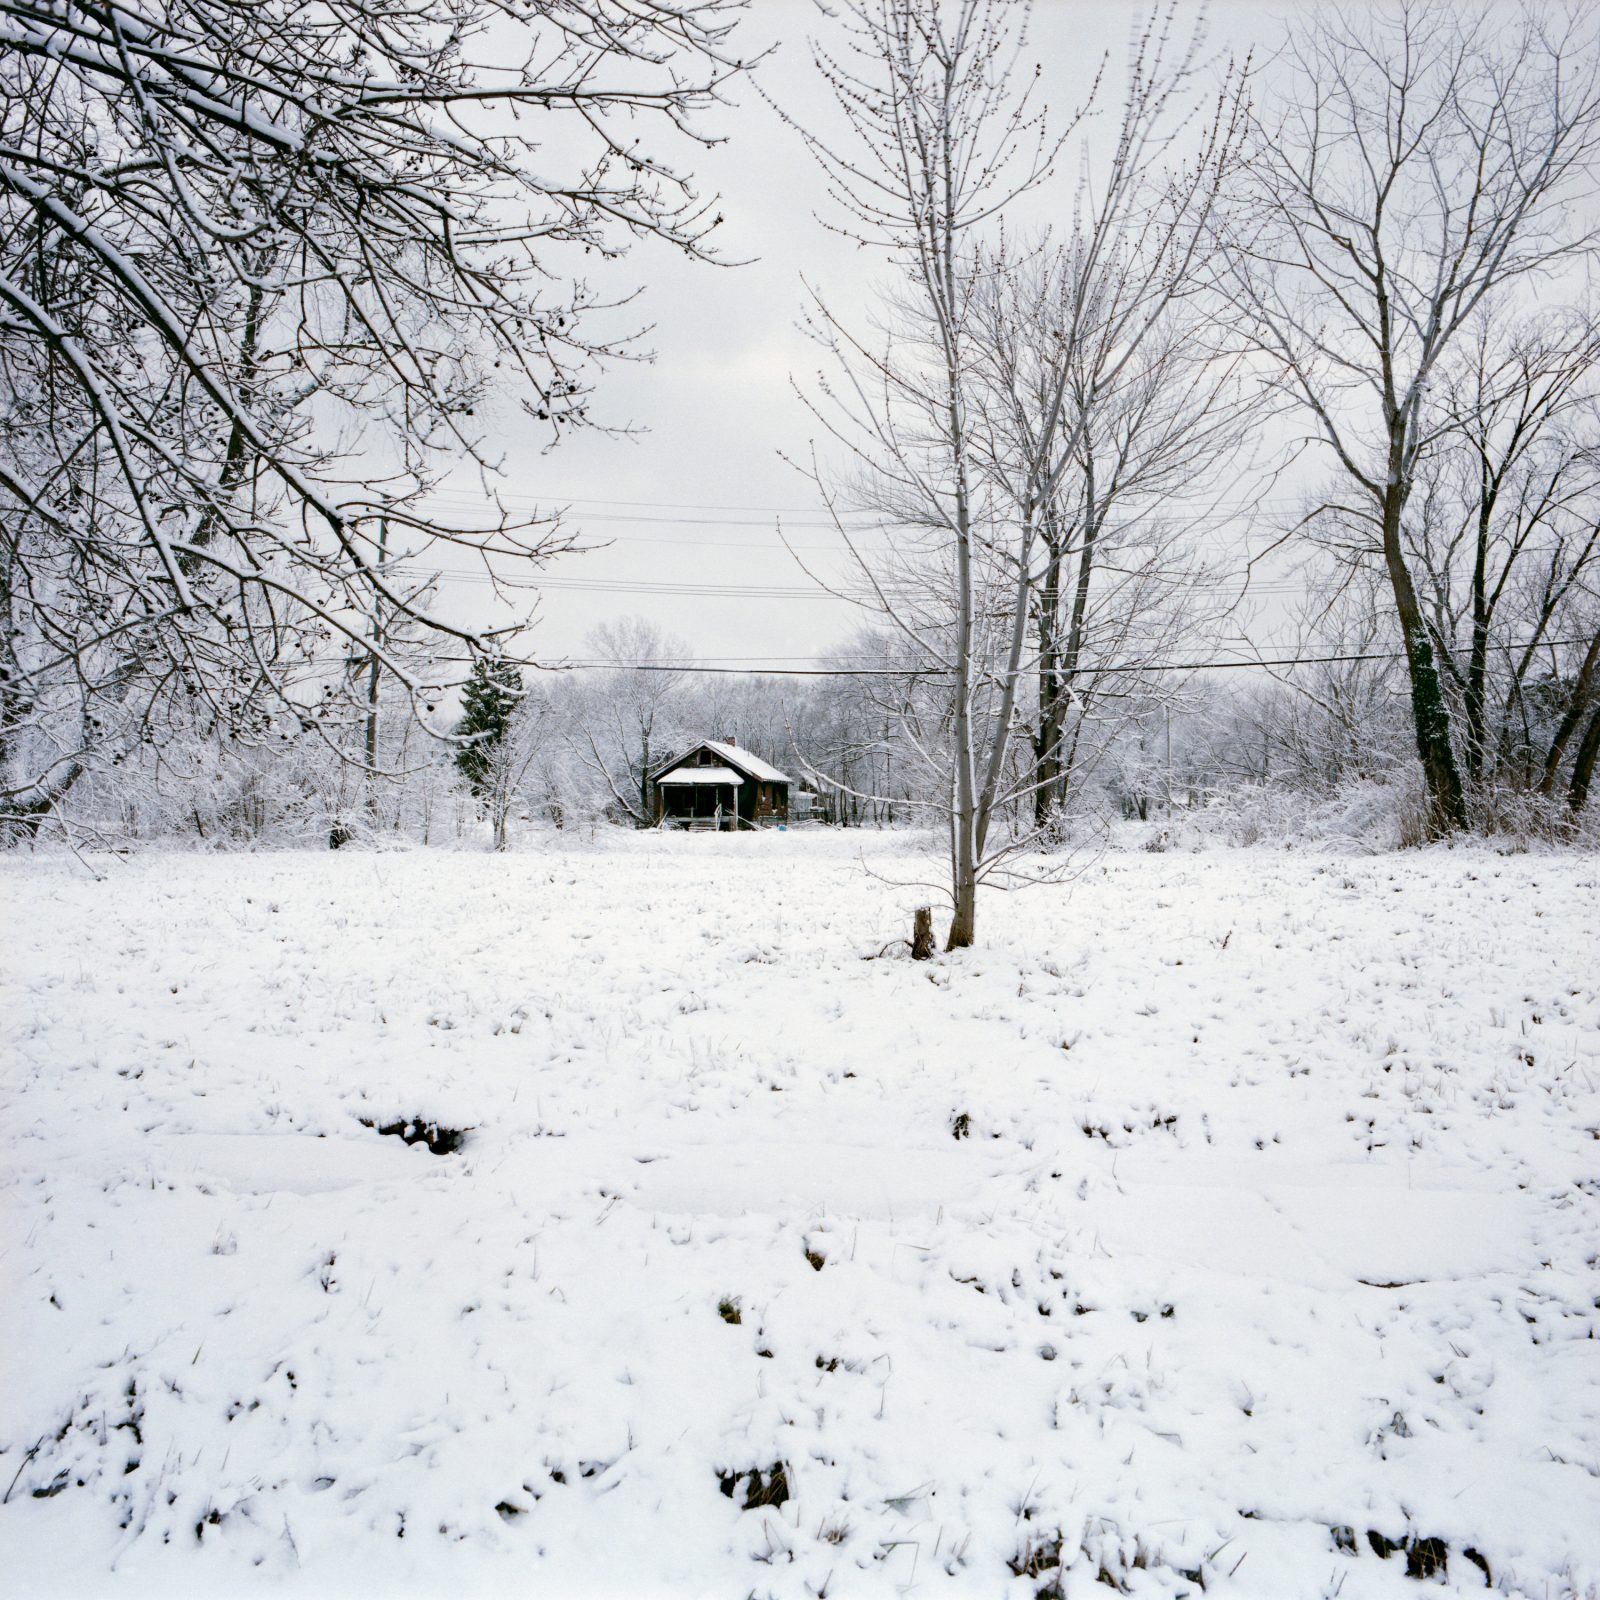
<point x="816" y="524"/>
<point x="592" y="500"/>
<point x="799" y="518"/>
<point x="945" y="672"/>
<point x="516" y="498"/>
<point x="770" y="591"/>
<point x="731" y="591"/>
<point x="824" y="524"/>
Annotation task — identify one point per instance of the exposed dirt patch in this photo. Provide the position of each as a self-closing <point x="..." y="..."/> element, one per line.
<point x="442" y="1141"/>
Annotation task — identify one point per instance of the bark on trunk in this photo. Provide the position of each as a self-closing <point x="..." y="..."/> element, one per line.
<point x="1476" y="698"/>
<point x="373" y="679"/>
<point x="22" y="819"/>
<point x="964" y="924"/>
<point x="1588" y="675"/>
<point x="1447" y="810"/>
<point x="1052" y="706"/>
<point x="1583" y="765"/>
<point x="1077" y="629"/>
<point x="238" y="455"/>
<point x="963" y="927"/>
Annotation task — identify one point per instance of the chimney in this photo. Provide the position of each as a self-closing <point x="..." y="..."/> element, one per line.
<point x="728" y="738"/>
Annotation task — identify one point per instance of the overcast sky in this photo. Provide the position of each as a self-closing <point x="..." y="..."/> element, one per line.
<point x="690" y="503"/>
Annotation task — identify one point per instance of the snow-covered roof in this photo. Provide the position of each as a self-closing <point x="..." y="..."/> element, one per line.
<point x="762" y="771"/>
<point x="718" y="775"/>
<point x="751" y="766"/>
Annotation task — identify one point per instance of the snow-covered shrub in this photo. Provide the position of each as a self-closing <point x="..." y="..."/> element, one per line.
<point x="1372" y="814"/>
<point x="1518" y="819"/>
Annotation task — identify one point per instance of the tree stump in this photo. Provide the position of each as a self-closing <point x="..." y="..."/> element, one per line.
<point x="922" y="934"/>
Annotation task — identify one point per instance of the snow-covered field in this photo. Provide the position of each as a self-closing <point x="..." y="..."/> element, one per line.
<point x="1223" y="1221"/>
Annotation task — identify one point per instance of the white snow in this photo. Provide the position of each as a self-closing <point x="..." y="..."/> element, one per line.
<point x="716" y="775"/>
<point x="761" y="771"/>
<point x="1275" y="1213"/>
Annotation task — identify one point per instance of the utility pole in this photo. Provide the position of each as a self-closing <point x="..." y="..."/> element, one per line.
<point x="373" y="670"/>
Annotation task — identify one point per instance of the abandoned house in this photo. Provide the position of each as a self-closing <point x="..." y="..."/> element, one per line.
<point x="717" y="785"/>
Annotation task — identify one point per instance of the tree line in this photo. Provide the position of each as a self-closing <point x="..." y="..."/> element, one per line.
<point x="261" y="266"/>
<point x="1315" y="751"/>
<point x="1383" y="245"/>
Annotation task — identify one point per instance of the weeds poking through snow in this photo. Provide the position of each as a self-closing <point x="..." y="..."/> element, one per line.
<point x="769" y="1487"/>
<point x="189" y="1236"/>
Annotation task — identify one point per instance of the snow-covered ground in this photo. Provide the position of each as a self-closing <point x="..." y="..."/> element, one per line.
<point x="1223" y="1220"/>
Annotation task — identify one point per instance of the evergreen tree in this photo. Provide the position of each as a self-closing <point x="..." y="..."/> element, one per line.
<point x="488" y="700"/>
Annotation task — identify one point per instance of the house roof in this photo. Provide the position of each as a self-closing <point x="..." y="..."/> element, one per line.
<point x="741" y="760"/>
<point x="712" y="775"/>
<point x="758" y="769"/>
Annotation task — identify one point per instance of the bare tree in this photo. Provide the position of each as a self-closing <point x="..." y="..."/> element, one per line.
<point x="513" y="758"/>
<point x="939" y="139"/>
<point x="1421" y="159"/>
<point x="1334" y="719"/>
<point x="1507" y="539"/>
<point x="875" y="738"/>
<point x="626" y="709"/>
<point x="942" y="139"/>
<point x="1588" y="752"/>
<point x="259" y="265"/>
<point x="1582" y="701"/>
<point x="1111" y="400"/>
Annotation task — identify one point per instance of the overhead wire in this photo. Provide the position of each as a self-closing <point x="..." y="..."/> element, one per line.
<point x="815" y="518"/>
<point x="1120" y="668"/>
<point x="754" y="591"/>
<point x="559" y="500"/>
<point x="668" y="588"/>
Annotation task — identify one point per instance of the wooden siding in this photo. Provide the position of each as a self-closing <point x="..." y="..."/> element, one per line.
<point x="755" y="802"/>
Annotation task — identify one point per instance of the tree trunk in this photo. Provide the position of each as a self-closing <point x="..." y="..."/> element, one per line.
<point x="1583" y="764"/>
<point x="922" y="934"/>
<point x="238" y="454"/>
<point x="964" y="924"/>
<point x="1047" y="747"/>
<point x="963" y="927"/>
<point x="22" y="819"/>
<point x="1071" y="656"/>
<point x="1476" y="699"/>
<point x="1582" y="690"/>
<point x="1447" y="810"/>
<point x="373" y="679"/>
